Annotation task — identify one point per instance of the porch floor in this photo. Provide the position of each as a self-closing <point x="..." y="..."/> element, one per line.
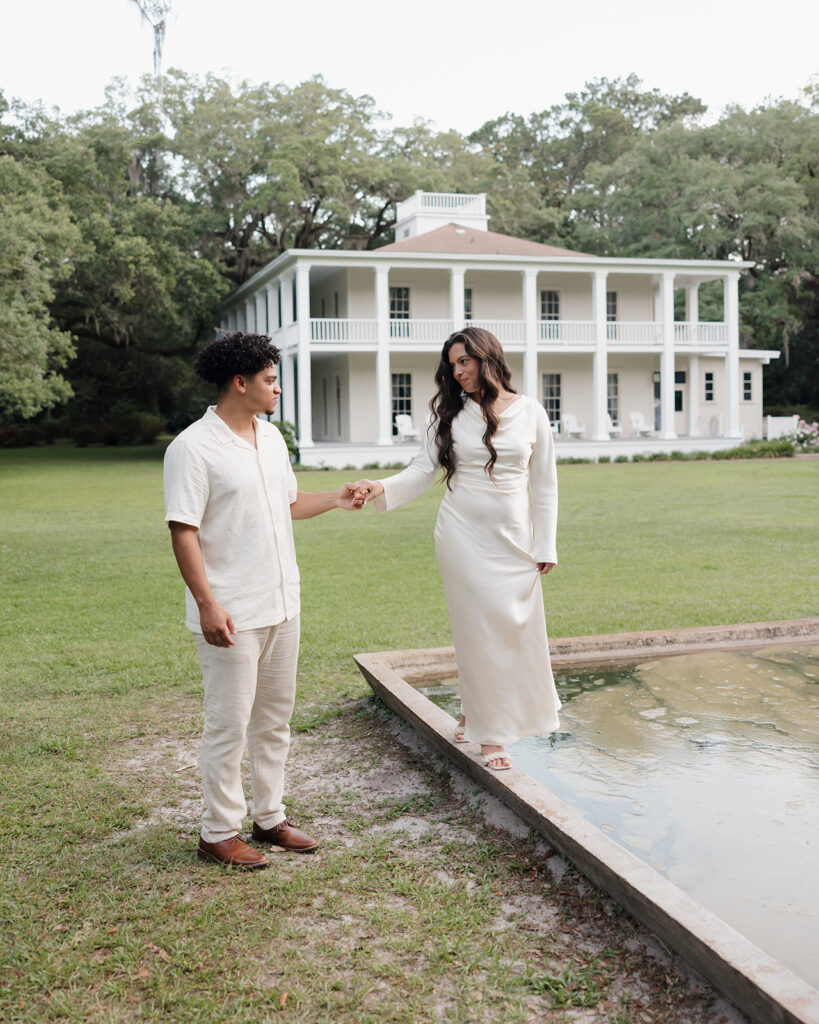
<point x="341" y="454"/>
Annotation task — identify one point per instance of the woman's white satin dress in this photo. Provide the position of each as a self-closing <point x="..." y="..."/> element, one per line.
<point x="489" y="538"/>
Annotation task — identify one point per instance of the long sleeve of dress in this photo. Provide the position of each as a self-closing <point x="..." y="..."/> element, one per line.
<point x="414" y="480"/>
<point x="543" y="489"/>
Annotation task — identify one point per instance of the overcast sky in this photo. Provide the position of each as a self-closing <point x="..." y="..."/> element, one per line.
<point x="456" y="64"/>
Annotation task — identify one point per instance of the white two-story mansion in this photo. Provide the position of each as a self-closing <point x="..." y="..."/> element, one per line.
<point x="593" y="338"/>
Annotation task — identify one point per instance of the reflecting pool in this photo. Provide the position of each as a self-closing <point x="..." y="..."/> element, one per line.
<point x="707" y="767"/>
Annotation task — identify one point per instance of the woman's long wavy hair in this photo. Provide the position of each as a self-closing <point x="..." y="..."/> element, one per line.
<point x="494" y="376"/>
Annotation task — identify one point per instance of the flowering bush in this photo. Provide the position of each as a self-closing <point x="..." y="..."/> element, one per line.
<point x="806" y="437"/>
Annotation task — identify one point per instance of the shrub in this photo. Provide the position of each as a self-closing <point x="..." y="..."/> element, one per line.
<point x="288" y="432"/>
<point x="805" y="437"/>
<point x="780" y="448"/>
<point x="604" y="458"/>
<point x="621" y="458"/>
<point x="127" y="424"/>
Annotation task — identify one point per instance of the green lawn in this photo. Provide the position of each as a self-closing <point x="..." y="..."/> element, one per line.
<point x="95" y="657"/>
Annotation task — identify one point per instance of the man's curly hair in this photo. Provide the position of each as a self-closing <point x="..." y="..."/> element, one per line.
<point x="245" y="354"/>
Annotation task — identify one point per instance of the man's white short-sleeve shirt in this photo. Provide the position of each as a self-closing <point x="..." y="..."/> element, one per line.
<point x="239" y="498"/>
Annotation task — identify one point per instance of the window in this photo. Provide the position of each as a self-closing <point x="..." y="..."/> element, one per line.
<point x="679" y="376"/>
<point x="323" y="308"/>
<point x="324" y="406"/>
<point x="551" y="397"/>
<point x="279" y="304"/>
<point x="747" y="386"/>
<point x="613" y="398"/>
<point x="611" y="306"/>
<point x="266" y="312"/>
<point x="549" y="305"/>
<point x="399" y="310"/>
<point x="295" y="303"/>
<point x="709" y="386"/>
<point x="338" y="400"/>
<point x="401" y="396"/>
<point x="467" y="303"/>
<point x="335" y="305"/>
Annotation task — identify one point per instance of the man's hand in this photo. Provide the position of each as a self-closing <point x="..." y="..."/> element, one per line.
<point x="544" y="567"/>
<point x="367" y="490"/>
<point x="217" y="625"/>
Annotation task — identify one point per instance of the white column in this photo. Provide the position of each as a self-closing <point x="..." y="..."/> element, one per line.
<point x="270" y="291"/>
<point x="693" y="394"/>
<point x="288" y="382"/>
<point x="692" y="310"/>
<point x="600" y="367"/>
<point x="529" y="297"/>
<point x="258" y="310"/>
<point x="456" y="298"/>
<point x="731" y="317"/>
<point x="287" y="300"/>
<point x="667" y="432"/>
<point x="305" y="424"/>
<point x="383" y="380"/>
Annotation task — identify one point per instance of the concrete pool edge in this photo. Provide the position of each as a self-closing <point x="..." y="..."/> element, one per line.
<point x="762" y="988"/>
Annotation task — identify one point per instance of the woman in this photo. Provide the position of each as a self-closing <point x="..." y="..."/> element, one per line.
<point x="494" y="447"/>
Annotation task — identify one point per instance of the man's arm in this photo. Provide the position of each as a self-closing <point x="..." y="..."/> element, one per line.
<point x="309" y="504"/>
<point x="217" y="625"/>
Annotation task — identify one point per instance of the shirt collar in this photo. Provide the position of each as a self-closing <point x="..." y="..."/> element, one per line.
<point x="223" y="431"/>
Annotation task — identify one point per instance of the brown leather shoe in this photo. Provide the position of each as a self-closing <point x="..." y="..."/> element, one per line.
<point x="285" y="835"/>
<point x="234" y="852"/>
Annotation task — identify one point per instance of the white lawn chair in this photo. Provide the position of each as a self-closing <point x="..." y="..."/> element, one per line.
<point x="570" y="427"/>
<point x="407" y="431"/>
<point x="639" y="427"/>
<point x="613" y="429"/>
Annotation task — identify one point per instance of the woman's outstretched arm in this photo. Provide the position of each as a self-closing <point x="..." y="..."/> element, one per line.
<point x="409" y="483"/>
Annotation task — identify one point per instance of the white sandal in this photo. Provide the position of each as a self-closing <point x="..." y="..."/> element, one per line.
<point x="458" y="735"/>
<point x="497" y="755"/>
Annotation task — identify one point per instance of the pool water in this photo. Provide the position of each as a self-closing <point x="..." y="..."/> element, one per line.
<point x="707" y="767"/>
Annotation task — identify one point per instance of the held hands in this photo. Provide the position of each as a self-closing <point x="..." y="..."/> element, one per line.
<point x="349" y="497"/>
<point x="367" y="490"/>
<point x="544" y="567"/>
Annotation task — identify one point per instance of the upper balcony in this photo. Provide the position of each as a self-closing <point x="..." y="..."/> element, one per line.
<point x="551" y="333"/>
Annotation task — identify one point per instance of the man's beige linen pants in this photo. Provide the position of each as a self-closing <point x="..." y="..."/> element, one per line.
<point x="249" y="693"/>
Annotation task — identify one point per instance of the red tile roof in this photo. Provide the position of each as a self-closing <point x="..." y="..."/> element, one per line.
<point x="452" y="238"/>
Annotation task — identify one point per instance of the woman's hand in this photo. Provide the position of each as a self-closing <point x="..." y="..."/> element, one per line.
<point x="367" y="490"/>
<point x="544" y="567"/>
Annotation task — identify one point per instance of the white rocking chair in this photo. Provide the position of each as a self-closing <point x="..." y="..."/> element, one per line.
<point x="407" y="431"/>
<point x="639" y="427"/>
<point x="570" y="427"/>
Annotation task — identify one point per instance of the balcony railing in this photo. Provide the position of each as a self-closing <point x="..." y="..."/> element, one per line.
<point x="421" y="330"/>
<point x="634" y="332"/>
<point x="700" y="334"/>
<point x="567" y="332"/>
<point x="338" y="329"/>
<point x="550" y="332"/>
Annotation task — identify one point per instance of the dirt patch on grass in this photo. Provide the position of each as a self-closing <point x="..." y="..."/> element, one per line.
<point x="428" y="899"/>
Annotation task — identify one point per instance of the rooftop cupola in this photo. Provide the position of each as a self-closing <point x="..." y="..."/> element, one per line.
<point x="425" y="211"/>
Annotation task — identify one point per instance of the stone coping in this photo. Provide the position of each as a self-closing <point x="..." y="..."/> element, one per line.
<point x="762" y="988"/>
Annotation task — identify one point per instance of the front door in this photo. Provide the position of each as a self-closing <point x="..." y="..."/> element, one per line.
<point x="680" y="403"/>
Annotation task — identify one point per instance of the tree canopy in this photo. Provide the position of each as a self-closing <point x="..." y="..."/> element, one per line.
<point x="124" y="228"/>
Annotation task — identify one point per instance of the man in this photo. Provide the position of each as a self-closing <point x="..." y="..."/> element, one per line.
<point x="230" y="495"/>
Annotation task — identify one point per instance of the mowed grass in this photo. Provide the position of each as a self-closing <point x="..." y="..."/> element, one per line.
<point x="95" y="658"/>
